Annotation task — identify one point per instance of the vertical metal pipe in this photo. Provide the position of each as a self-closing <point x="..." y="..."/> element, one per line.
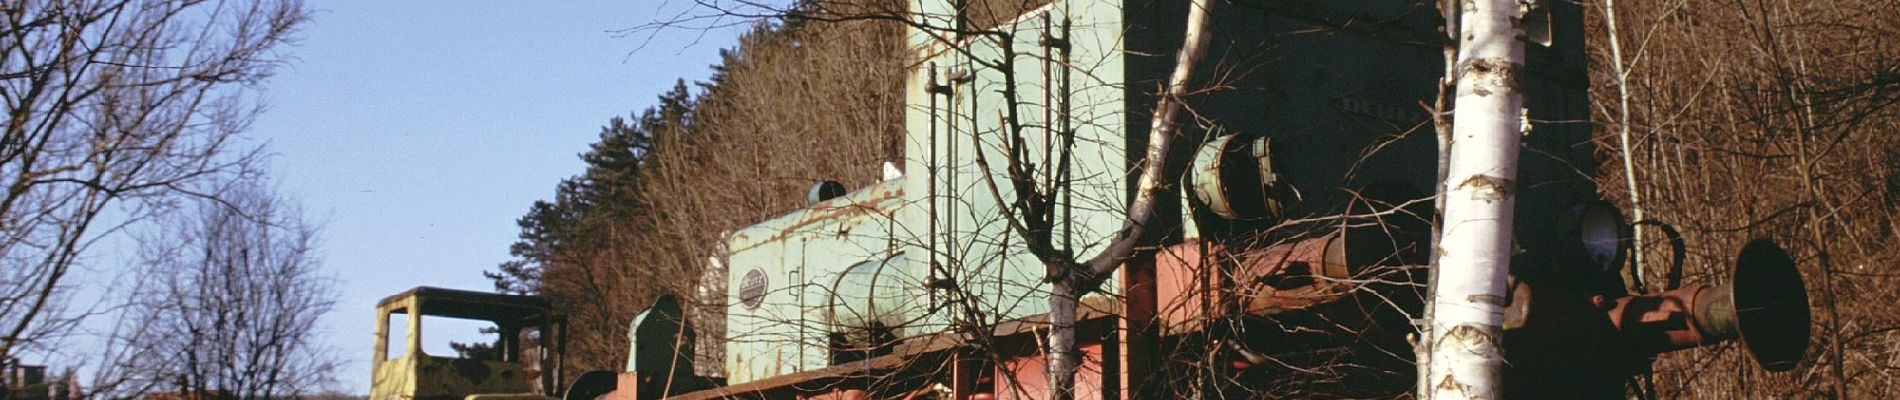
<point x="931" y="169"/>
<point x="1068" y="137"/>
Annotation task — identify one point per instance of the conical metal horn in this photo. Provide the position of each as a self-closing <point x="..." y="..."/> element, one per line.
<point x="1765" y="306"/>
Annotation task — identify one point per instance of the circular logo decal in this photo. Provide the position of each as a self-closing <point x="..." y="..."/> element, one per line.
<point x="752" y="289"/>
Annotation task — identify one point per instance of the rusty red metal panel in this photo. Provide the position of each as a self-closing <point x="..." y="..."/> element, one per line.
<point x="1181" y="281"/>
<point x="1291" y="276"/>
<point x="848" y="394"/>
<point x="968" y="377"/>
<point x="1026" y="377"/>
<point x="1196" y="279"/>
<point x="1137" y="331"/>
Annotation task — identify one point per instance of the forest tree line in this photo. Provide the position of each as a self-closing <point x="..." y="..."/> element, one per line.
<point x="792" y="104"/>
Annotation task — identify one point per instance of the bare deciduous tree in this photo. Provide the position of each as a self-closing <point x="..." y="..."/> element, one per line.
<point x="1076" y="279"/>
<point x="1763" y="119"/>
<point x="114" y="103"/>
<point x="229" y="301"/>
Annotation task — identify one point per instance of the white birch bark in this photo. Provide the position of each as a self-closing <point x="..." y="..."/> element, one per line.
<point x="1469" y="297"/>
<point x="1441" y="125"/>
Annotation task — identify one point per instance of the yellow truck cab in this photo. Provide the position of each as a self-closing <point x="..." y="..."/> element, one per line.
<point x="525" y="362"/>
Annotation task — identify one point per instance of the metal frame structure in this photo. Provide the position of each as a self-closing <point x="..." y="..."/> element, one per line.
<point x="1300" y="233"/>
<point x="414" y="374"/>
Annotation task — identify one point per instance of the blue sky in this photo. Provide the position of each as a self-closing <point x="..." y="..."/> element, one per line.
<point x="417" y="132"/>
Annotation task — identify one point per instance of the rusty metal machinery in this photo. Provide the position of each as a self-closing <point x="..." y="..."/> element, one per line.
<point x="873" y="303"/>
<point x="1580" y="335"/>
<point x="1301" y="229"/>
<point x="512" y="370"/>
<point x="1233" y="179"/>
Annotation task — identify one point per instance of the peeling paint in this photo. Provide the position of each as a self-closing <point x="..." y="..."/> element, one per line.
<point x="844" y="212"/>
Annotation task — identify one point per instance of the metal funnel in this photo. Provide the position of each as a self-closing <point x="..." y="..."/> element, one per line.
<point x="1765" y="306"/>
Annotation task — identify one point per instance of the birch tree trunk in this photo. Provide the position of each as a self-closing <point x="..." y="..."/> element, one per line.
<point x="1469" y="296"/>
<point x="1441" y="126"/>
<point x="1062" y="357"/>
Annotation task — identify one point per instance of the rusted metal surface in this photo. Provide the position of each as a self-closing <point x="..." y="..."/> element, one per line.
<point x="447" y="376"/>
<point x="1293" y="276"/>
<point x="1580" y="340"/>
<point x="843" y="212"/>
<point x="781" y="273"/>
<point x="1026" y="376"/>
<point x="1233" y="177"/>
<point x="1669" y="321"/>
<point x="971" y="376"/>
<point x="1196" y="280"/>
<point x="626" y="387"/>
<point x="1181" y="275"/>
<point x="918" y="359"/>
<point x="1765" y="307"/>
<point x="872" y="303"/>
<point x="1342" y="118"/>
<point x="456" y="303"/>
<point x="1138" y="328"/>
<point x="847" y="394"/>
<point x="413" y="374"/>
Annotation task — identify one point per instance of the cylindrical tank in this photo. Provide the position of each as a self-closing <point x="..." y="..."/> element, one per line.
<point x="874" y="302"/>
<point x="1233" y="178"/>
